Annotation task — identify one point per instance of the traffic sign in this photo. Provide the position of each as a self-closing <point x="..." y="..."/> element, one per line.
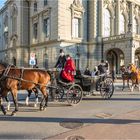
<point x="32" y="62"/>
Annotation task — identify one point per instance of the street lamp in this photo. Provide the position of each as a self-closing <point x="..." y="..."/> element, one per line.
<point x="77" y="56"/>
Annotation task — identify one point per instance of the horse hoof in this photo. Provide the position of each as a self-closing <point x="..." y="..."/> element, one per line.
<point x="4" y="112"/>
<point x="13" y="114"/>
<point x="41" y="108"/>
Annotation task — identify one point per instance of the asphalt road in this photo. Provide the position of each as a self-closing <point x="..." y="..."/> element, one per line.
<point x="30" y="123"/>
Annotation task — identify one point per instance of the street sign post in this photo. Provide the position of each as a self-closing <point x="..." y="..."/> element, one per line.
<point x="32" y="60"/>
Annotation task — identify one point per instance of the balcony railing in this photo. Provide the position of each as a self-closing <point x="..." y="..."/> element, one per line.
<point x="116" y="37"/>
<point x="122" y="36"/>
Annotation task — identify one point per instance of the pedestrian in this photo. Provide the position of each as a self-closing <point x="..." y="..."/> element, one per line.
<point x="87" y="72"/>
<point x="102" y="70"/>
<point x="61" y="60"/>
<point x="69" y="70"/>
<point x="95" y="72"/>
<point x="107" y="66"/>
<point x="102" y="67"/>
<point x="113" y="75"/>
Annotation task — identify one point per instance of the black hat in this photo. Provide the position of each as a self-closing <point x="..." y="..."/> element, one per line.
<point x="61" y="50"/>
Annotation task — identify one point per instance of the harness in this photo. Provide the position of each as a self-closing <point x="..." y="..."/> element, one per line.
<point x="20" y="78"/>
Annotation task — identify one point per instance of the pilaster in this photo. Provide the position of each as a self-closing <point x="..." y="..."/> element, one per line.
<point x="100" y="10"/>
<point x="131" y="14"/>
<point x="117" y="16"/>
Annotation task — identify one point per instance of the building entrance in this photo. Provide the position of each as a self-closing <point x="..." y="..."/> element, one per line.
<point x="115" y="58"/>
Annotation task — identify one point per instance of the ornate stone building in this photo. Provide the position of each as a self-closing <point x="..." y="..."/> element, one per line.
<point x="89" y="30"/>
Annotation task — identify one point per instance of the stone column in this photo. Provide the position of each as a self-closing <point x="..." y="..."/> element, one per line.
<point x="131" y="15"/>
<point x="112" y="25"/>
<point x="100" y="21"/>
<point x="92" y="19"/>
<point x="117" y="17"/>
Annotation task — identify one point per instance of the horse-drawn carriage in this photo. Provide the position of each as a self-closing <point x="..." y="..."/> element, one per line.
<point x="64" y="91"/>
<point x="102" y="83"/>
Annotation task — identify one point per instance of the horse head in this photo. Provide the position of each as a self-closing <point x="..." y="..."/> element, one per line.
<point x="132" y="68"/>
<point x="123" y="68"/>
<point x="3" y="66"/>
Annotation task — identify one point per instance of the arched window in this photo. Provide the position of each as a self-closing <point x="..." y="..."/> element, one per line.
<point x="106" y="23"/>
<point x="122" y="24"/>
<point x="135" y="26"/>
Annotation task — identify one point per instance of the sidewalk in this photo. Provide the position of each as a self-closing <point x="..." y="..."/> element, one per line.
<point x="124" y="127"/>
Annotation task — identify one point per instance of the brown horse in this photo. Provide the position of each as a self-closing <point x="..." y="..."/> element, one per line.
<point x="23" y="79"/>
<point x="135" y="76"/>
<point x="125" y="76"/>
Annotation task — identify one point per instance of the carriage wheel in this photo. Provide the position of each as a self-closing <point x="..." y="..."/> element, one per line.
<point x="107" y="88"/>
<point x="74" y="94"/>
<point x="59" y="94"/>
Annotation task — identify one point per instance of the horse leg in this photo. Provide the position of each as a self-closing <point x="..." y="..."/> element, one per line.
<point x="123" y="84"/>
<point x="8" y="103"/>
<point x="27" y="98"/>
<point x="14" y="95"/>
<point x="2" y="107"/>
<point x="44" y="99"/>
<point x="36" y="96"/>
<point x="132" y="87"/>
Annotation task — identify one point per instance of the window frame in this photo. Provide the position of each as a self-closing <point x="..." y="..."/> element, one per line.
<point x="76" y="27"/>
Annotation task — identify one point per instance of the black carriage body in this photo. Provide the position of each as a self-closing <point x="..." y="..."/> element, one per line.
<point x="88" y="83"/>
<point x="102" y="83"/>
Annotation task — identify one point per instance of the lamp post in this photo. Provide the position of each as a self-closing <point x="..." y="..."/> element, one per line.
<point x="77" y="56"/>
<point x="102" y="48"/>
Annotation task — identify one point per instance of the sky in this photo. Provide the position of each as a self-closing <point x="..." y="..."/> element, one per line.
<point x="2" y="2"/>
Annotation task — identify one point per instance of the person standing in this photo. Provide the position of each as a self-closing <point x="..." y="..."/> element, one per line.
<point x="87" y="72"/>
<point x="61" y="60"/>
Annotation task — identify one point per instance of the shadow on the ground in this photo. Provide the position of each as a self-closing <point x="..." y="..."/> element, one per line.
<point x="112" y="99"/>
<point x="60" y="120"/>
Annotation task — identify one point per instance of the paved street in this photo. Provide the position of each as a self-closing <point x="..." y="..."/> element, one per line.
<point x="59" y="117"/>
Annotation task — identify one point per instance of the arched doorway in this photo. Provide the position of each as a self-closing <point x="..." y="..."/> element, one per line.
<point x="115" y="58"/>
<point x="137" y="57"/>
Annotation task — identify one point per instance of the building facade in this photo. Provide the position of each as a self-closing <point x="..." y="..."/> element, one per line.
<point x="89" y="30"/>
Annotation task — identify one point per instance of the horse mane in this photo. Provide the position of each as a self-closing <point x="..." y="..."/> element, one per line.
<point x="4" y="64"/>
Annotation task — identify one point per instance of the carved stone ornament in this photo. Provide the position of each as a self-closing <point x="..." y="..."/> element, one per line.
<point x="109" y="4"/>
<point x="35" y="19"/>
<point x="46" y="13"/>
<point x="14" y="10"/>
<point x="77" y="5"/>
<point x="136" y="10"/>
<point x="124" y="6"/>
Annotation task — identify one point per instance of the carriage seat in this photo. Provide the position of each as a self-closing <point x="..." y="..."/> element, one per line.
<point x="86" y="80"/>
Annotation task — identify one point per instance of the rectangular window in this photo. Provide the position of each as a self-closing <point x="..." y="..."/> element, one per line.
<point x="76" y="27"/>
<point x="47" y="27"/>
<point x="35" y="7"/>
<point x="35" y="30"/>
<point x="45" y="2"/>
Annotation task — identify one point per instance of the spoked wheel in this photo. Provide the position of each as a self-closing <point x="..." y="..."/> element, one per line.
<point x="107" y="88"/>
<point x="59" y="94"/>
<point x="74" y="94"/>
